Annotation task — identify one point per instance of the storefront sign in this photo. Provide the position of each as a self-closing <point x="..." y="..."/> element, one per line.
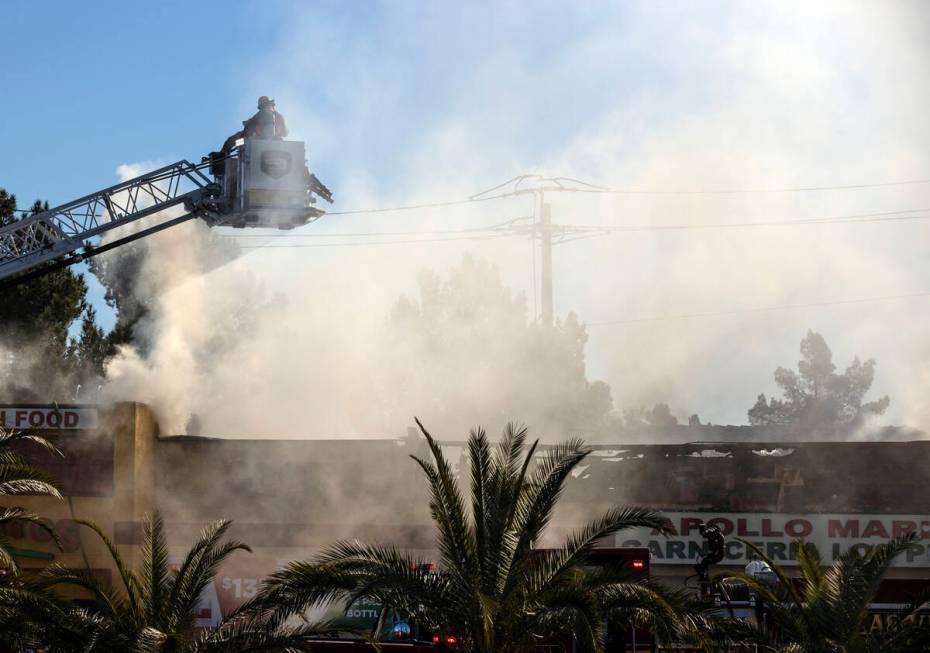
<point x="48" y="417"/>
<point x="237" y="580"/>
<point x="27" y="534"/>
<point x="878" y="621"/>
<point x="777" y="534"/>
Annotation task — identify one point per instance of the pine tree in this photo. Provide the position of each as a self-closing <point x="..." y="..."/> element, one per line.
<point x="35" y="317"/>
<point x="471" y="335"/>
<point x="88" y="353"/>
<point x="816" y="395"/>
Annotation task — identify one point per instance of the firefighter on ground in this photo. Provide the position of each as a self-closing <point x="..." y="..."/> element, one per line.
<point x="266" y="124"/>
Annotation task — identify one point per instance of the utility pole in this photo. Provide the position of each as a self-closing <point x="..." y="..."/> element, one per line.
<point x="537" y="185"/>
<point x="545" y="261"/>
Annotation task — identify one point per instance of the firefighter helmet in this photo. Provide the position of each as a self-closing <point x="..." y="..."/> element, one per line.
<point x="265" y="101"/>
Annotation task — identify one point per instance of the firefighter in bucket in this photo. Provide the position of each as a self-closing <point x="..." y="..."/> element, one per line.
<point x="266" y="124"/>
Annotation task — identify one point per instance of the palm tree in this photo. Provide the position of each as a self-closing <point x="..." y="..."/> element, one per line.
<point x="825" y="610"/>
<point x="495" y="591"/>
<point x="18" y="477"/>
<point x="152" y="610"/>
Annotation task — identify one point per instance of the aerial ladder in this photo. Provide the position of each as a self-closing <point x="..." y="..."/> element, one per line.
<point x="258" y="184"/>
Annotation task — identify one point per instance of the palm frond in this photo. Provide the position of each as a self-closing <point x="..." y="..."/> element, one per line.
<point x="347" y="572"/>
<point x="508" y="481"/>
<point x="17" y="476"/>
<point x="197" y="571"/>
<point x="904" y="633"/>
<point x="449" y="508"/>
<point x="570" y="613"/>
<point x="492" y="589"/>
<point x="855" y="579"/>
<point x="127" y="577"/>
<point x="783" y="579"/>
<point x="154" y="576"/>
<point x="579" y="545"/>
<point x="479" y="454"/>
<point x="9" y="436"/>
<point x="825" y="609"/>
<point x="39" y="619"/>
<point x="24" y="485"/>
<point x="108" y="602"/>
<point x="148" y="640"/>
<point x="535" y="506"/>
<point x="298" y="587"/>
<point x="14" y="514"/>
<point x="244" y="635"/>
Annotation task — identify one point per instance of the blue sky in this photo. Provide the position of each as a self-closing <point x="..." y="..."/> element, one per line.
<point x="408" y="101"/>
<point x="97" y="84"/>
<point x="104" y="83"/>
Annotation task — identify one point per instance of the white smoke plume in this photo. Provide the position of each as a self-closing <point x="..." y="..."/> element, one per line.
<point x="653" y="96"/>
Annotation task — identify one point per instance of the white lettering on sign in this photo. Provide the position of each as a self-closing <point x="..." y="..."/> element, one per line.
<point x="48" y="418"/>
<point x="777" y="534"/>
<point x="242" y="587"/>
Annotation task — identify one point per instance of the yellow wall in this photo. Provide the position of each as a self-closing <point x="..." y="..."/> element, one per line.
<point x="134" y="431"/>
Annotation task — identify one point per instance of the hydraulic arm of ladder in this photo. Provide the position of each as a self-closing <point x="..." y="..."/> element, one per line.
<point x="63" y="235"/>
<point x="261" y="184"/>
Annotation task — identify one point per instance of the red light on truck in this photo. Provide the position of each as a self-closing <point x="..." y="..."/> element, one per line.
<point x="451" y="641"/>
<point x="435" y="639"/>
<point x="638" y="564"/>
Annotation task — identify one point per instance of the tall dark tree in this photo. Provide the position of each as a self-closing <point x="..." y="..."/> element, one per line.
<point x="471" y="335"/>
<point x="658" y="415"/>
<point x="34" y="320"/>
<point x="118" y="272"/>
<point x="816" y="395"/>
<point x="39" y="361"/>
<point x="88" y="353"/>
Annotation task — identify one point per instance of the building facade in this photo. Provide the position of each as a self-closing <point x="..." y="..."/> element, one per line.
<point x="289" y="498"/>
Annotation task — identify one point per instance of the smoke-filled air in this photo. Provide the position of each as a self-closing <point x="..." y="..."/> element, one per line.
<point x="674" y="291"/>
<point x="511" y="326"/>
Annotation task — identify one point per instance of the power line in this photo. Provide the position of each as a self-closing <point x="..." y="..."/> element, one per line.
<point x="750" y="191"/>
<point x="767" y="309"/>
<point x="377" y="242"/>
<point x="515" y="181"/>
<point x="417" y="207"/>
<point x="358" y="234"/>
<point x="885" y="216"/>
<point x="571" y="185"/>
<point x="497" y="227"/>
<point x="594" y="189"/>
<point x="574" y="229"/>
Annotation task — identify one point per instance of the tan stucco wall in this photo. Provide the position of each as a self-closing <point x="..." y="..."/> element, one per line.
<point x="133" y="430"/>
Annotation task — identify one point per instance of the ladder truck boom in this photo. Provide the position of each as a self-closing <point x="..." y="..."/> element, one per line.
<point x="262" y="183"/>
<point x="61" y="235"/>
